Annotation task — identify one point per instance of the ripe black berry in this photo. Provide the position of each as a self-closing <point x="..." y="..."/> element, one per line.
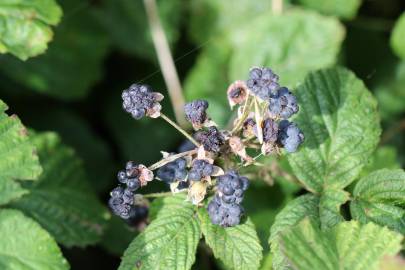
<point x="200" y="168"/>
<point x="290" y="136"/>
<point x="262" y="82"/>
<point x="139" y="100"/>
<point x="225" y="209"/>
<point x="283" y="104"/>
<point x="173" y="171"/>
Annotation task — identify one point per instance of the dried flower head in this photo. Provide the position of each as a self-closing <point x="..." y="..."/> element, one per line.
<point x="238" y="147"/>
<point x="197" y="191"/>
<point x="237" y="93"/>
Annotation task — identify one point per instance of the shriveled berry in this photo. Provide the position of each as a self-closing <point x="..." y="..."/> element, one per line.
<point x="212" y="139"/>
<point x="270" y="130"/>
<point x="117" y="192"/>
<point x="195" y="111"/>
<point x="128" y="196"/>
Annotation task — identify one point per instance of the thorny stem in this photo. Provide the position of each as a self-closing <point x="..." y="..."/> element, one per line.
<point x="171" y="158"/>
<point x="277" y="6"/>
<point x="166" y="61"/>
<point x="182" y="131"/>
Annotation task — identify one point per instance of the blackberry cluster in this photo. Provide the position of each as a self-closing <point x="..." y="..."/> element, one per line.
<point x="283" y="104"/>
<point x="122" y="199"/>
<point x="225" y="209"/>
<point x="263" y="82"/>
<point x="173" y="171"/>
<point x="200" y="169"/>
<point x="138" y="99"/>
<point x="212" y="139"/>
<point x="121" y="202"/>
<point x="290" y="136"/>
<point x="195" y="111"/>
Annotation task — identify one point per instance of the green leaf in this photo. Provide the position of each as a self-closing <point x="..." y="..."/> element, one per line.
<point x="305" y="206"/>
<point x="385" y="157"/>
<point x="25" y="245"/>
<point x="339" y="119"/>
<point x="19" y="160"/>
<point x="263" y="202"/>
<point x="18" y="155"/>
<point x="237" y="247"/>
<point x="25" y="26"/>
<point x="390" y="93"/>
<point x="347" y="246"/>
<point x="212" y="18"/>
<point x="346" y="9"/>
<point x="380" y="197"/>
<point x="398" y="37"/>
<point x="126" y="23"/>
<point x="329" y="207"/>
<point x="73" y="62"/>
<point x="62" y="200"/>
<point x="10" y="190"/>
<point x="169" y="242"/>
<point x="295" y="211"/>
<point x="88" y="143"/>
<point x="308" y="42"/>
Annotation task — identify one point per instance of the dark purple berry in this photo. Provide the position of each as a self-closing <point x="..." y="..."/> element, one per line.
<point x="270" y="130"/>
<point x="212" y="139"/>
<point x="173" y="171"/>
<point x="290" y="136"/>
<point x="138" y="99"/>
<point x="262" y="82"/>
<point x="122" y="176"/>
<point x="283" y="104"/>
<point x="200" y="168"/>
<point x="195" y="111"/>
<point x="133" y="184"/>
<point x="117" y="192"/>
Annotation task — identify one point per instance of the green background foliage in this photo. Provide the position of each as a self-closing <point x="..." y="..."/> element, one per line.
<point x="338" y="203"/>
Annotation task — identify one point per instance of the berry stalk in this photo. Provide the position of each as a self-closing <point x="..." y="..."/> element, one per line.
<point x="245" y="113"/>
<point x="182" y="131"/>
<point x="169" y="159"/>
